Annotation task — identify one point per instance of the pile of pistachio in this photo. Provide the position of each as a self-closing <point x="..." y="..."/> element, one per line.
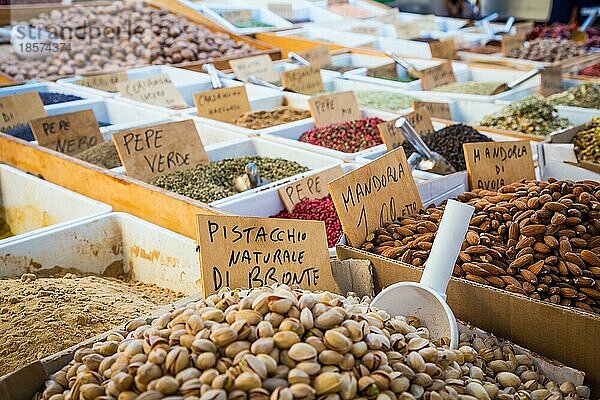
<point x="275" y="343"/>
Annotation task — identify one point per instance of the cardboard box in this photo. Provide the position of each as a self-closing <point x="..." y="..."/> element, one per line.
<point x="562" y="333"/>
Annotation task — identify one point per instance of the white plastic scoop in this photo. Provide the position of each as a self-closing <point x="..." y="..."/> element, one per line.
<point x="427" y="299"/>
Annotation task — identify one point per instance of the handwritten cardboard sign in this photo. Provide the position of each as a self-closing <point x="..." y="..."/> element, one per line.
<point x="284" y="10"/>
<point x="374" y="194"/>
<point x="305" y="80"/>
<point x="335" y="107"/>
<point x="237" y="17"/>
<point x="383" y="71"/>
<point x="551" y="80"/>
<point x="149" y="152"/>
<point x="491" y="165"/>
<point x="69" y="133"/>
<point x="443" y="49"/>
<point x="437" y="75"/>
<point x="523" y="28"/>
<point x="246" y="252"/>
<point x="310" y="187"/>
<point x="260" y="66"/>
<point x="511" y="42"/>
<point x="157" y="90"/>
<point x="366" y="30"/>
<point x="318" y="56"/>
<point x="222" y="104"/>
<point x="107" y="82"/>
<point x="18" y="109"/>
<point x="435" y="109"/>
<point x="407" y="30"/>
<point x="392" y="137"/>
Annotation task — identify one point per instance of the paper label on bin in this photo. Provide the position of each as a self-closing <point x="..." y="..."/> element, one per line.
<point x="334" y="108"/>
<point x="366" y="30"/>
<point x="318" y="56"/>
<point x="106" y="82"/>
<point x="69" y="133"/>
<point x="383" y="71"/>
<point x="237" y="17"/>
<point x="551" y="80"/>
<point x="260" y="66"/>
<point x="390" y="17"/>
<point x="157" y="90"/>
<point x="222" y="104"/>
<point x="149" y="152"/>
<point x="284" y="10"/>
<point x="407" y="30"/>
<point x="374" y="194"/>
<point x="511" y="42"/>
<point x="491" y="165"/>
<point x="304" y="80"/>
<point x="523" y="28"/>
<point x="437" y="75"/>
<point x="435" y="109"/>
<point x="248" y="252"/>
<point x="392" y="137"/>
<point x="310" y="187"/>
<point x="18" y="109"/>
<point x="443" y="49"/>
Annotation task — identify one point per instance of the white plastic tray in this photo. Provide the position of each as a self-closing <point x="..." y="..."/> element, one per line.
<point x="371" y="7"/>
<point x="31" y="205"/>
<point x="304" y="10"/>
<point x="260" y="14"/>
<point x="147" y="252"/>
<point x="45" y="87"/>
<point x="329" y="36"/>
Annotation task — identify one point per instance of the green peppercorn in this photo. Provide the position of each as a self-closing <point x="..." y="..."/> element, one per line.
<point x="586" y="95"/>
<point x="587" y="142"/>
<point x="481" y="88"/>
<point x="382" y="100"/>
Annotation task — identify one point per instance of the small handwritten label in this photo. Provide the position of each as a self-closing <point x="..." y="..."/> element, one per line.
<point x="333" y="108"/>
<point x="260" y="66"/>
<point x="551" y="80"/>
<point x="374" y="194"/>
<point x="389" y="71"/>
<point x="523" y="28"/>
<point x="318" y="56"/>
<point x="246" y="252"/>
<point x="443" y="49"/>
<point x="222" y="104"/>
<point x="237" y="17"/>
<point x="437" y="75"/>
<point x="388" y="18"/>
<point x="435" y="109"/>
<point x="310" y="187"/>
<point x="157" y="90"/>
<point x="511" y="42"/>
<point x="18" y="109"/>
<point x="392" y="137"/>
<point x="284" y="10"/>
<point x="366" y="30"/>
<point x="407" y="30"/>
<point x="107" y="82"/>
<point x="491" y="165"/>
<point x="305" y="80"/>
<point x="69" y="133"/>
<point x="149" y="152"/>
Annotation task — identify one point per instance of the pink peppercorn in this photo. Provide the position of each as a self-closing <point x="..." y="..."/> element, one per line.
<point x="347" y="137"/>
<point x="319" y="210"/>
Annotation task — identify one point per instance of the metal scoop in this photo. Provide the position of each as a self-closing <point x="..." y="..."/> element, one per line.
<point x="261" y="82"/>
<point x="214" y="75"/>
<point x="580" y="35"/>
<point x="423" y="158"/>
<point x="410" y="69"/>
<point x="298" y="59"/>
<point x="427" y="299"/>
<point x="512" y="84"/>
<point x="250" y="180"/>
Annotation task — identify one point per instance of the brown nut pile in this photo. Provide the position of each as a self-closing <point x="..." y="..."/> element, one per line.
<point x="279" y="344"/>
<point x="549" y="50"/>
<point x="540" y="239"/>
<point x="119" y="35"/>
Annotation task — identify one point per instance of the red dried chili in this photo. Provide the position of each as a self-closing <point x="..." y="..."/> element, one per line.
<point x="347" y="137"/>
<point x="319" y="210"/>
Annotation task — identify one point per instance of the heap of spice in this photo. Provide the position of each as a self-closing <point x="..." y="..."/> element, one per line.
<point x="55" y="98"/>
<point x="267" y="119"/>
<point x="253" y="24"/>
<point x="103" y="154"/>
<point x="586" y="95"/>
<point x="532" y="115"/>
<point x="5" y="229"/>
<point x="318" y="210"/>
<point x="404" y="79"/>
<point x="549" y="50"/>
<point x="279" y="343"/>
<point x="587" y="142"/>
<point x="534" y="238"/>
<point x="449" y="141"/>
<point x="347" y="137"/>
<point x="214" y="181"/>
<point x="481" y="88"/>
<point x="592" y="70"/>
<point x="382" y="100"/>
<point x="340" y="68"/>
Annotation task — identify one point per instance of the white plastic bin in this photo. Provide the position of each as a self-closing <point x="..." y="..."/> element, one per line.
<point x="330" y="36"/>
<point x="303" y="12"/>
<point x="31" y="205"/>
<point x="370" y="7"/>
<point x="47" y="87"/>
<point x="146" y="252"/>
<point x="259" y="14"/>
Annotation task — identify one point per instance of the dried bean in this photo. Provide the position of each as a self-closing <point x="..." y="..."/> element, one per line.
<point x="347" y="137"/>
<point x="587" y="142"/>
<point x="549" y="50"/>
<point x="586" y="95"/>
